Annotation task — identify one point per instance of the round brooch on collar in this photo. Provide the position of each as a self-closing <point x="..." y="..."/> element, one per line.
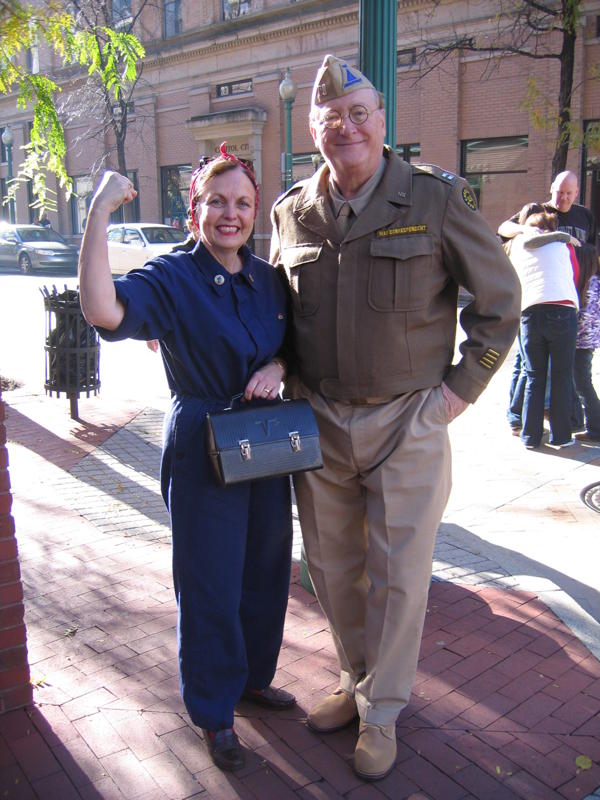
<point x="219" y="280"/>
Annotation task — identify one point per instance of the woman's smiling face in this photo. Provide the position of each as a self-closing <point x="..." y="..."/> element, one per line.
<point x="225" y="213"/>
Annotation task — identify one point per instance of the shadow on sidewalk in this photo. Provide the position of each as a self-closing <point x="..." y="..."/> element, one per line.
<point x="505" y="700"/>
<point x="588" y="597"/>
<point x="62" y="452"/>
<point x="120" y="467"/>
<point x="36" y="763"/>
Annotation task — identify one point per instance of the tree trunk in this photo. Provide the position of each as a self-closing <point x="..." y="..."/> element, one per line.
<point x="120" y="134"/>
<point x="567" y="66"/>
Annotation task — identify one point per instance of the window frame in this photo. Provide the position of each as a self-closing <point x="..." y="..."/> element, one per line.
<point x="172" y="11"/>
<point x="179" y="210"/>
<point x="476" y="178"/>
<point x="124" y="17"/>
<point x="411" y="153"/>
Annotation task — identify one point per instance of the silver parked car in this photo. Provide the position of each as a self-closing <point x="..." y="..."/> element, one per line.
<point x="31" y="247"/>
<point x="131" y="244"/>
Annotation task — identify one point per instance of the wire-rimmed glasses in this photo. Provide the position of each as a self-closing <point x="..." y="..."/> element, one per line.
<point x="358" y="114"/>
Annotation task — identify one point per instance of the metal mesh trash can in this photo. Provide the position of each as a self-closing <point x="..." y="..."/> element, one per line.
<point x="72" y="348"/>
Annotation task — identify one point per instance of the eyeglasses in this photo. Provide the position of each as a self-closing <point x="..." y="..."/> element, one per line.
<point x="357" y="114"/>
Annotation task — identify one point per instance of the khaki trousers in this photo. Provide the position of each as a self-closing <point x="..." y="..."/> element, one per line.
<point x="369" y="520"/>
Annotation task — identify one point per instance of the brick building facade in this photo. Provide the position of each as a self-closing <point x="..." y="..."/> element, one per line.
<point x="212" y="71"/>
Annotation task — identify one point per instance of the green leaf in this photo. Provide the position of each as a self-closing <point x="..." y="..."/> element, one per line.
<point x="111" y="57"/>
<point x="584" y="762"/>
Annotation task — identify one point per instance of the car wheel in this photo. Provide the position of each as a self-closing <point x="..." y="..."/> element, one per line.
<point x="25" y="264"/>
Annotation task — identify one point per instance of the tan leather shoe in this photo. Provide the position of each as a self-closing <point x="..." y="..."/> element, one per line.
<point x="334" y="713"/>
<point x="375" y="751"/>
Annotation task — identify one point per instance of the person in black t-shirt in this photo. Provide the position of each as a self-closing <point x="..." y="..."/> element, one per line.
<point x="576" y="220"/>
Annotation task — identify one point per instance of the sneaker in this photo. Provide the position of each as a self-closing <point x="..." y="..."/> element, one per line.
<point x="570" y="443"/>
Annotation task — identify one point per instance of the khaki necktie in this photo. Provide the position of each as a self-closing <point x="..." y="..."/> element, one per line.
<point x="345" y="218"/>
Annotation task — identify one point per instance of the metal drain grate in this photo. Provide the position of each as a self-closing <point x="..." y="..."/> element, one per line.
<point x="591" y="496"/>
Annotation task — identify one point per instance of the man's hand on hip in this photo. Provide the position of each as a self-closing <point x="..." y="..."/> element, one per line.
<point x="455" y="405"/>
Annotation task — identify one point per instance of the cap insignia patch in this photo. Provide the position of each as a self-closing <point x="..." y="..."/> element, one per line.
<point x="350" y="78"/>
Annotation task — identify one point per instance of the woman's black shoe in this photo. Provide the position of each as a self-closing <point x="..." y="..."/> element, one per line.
<point x="225" y="749"/>
<point x="277" y="699"/>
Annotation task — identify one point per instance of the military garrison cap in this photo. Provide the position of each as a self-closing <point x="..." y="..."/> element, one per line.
<point x="336" y="79"/>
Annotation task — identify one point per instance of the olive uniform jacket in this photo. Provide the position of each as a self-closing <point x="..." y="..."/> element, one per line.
<point x="375" y="312"/>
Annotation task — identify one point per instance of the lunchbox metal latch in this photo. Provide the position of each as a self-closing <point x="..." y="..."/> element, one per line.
<point x="245" y="449"/>
<point x="295" y="441"/>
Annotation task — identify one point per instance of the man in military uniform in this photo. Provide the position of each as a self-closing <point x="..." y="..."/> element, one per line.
<point x="375" y="251"/>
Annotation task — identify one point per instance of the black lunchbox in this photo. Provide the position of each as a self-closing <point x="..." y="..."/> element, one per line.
<point x="264" y="441"/>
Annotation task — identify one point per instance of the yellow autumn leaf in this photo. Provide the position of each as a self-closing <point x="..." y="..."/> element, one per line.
<point x="583" y="762"/>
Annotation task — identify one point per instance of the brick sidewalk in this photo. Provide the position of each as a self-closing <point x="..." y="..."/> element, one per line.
<point x="505" y="705"/>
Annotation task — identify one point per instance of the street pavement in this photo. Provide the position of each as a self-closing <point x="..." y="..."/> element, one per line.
<point x="507" y="698"/>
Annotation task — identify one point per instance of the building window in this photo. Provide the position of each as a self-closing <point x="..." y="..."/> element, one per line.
<point x="406" y="58"/>
<point x="175" y="184"/>
<point x="409" y="152"/>
<point x="589" y="190"/>
<point x="121" y="13"/>
<point x="33" y="59"/>
<point x="131" y="211"/>
<point x="82" y="197"/>
<point x="232" y="9"/>
<point x="494" y="168"/>
<point x="80" y="202"/>
<point x="172" y="20"/>
<point x="303" y="165"/>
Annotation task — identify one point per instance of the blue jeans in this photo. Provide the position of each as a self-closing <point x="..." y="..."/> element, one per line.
<point x="548" y="333"/>
<point x="517" y="388"/>
<point x="586" y="391"/>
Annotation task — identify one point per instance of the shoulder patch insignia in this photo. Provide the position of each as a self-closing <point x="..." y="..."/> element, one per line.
<point x="469" y="198"/>
<point x="436" y="172"/>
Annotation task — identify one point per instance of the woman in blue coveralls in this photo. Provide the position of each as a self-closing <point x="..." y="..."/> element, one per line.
<point x="220" y="315"/>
